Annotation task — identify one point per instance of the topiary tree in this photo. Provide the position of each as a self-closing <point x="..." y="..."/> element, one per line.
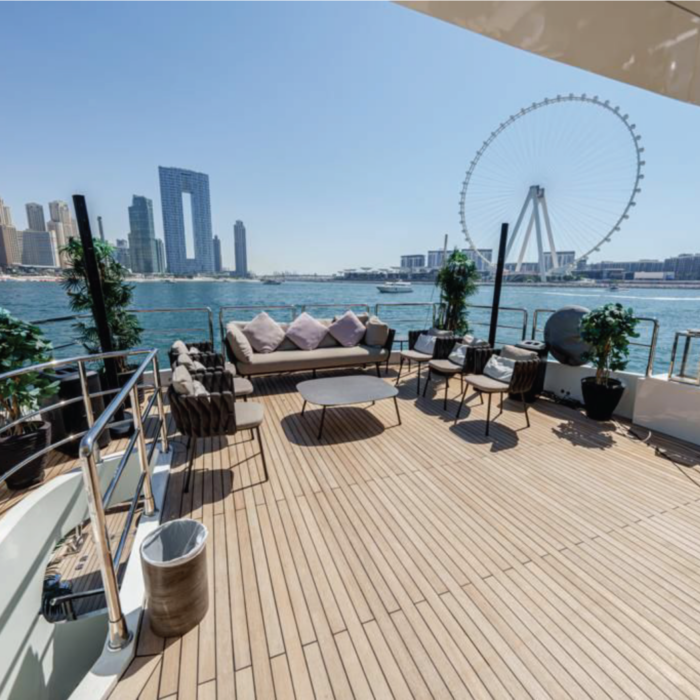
<point x="608" y="330"/>
<point x="457" y="280"/>
<point x="22" y="345"/>
<point x="118" y="295"/>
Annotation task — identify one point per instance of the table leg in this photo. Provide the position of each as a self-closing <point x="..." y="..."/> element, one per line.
<point x="303" y="408"/>
<point x="398" y="415"/>
<point x="323" y="417"/>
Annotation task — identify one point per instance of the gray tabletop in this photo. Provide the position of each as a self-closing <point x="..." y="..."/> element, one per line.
<point x="344" y="391"/>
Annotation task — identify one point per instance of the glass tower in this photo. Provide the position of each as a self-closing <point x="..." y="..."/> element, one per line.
<point x="239" y="242"/>
<point x="142" y="238"/>
<point x="173" y="183"/>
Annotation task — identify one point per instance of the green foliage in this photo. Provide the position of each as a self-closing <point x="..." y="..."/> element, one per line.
<point x="126" y="330"/>
<point x="608" y="330"/>
<point x="457" y="280"/>
<point x="22" y="345"/>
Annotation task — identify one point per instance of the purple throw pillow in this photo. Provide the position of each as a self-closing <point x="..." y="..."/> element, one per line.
<point x="264" y="333"/>
<point x="348" y="330"/>
<point x="306" y="332"/>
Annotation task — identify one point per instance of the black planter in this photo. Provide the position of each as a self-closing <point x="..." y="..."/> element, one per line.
<point x="601" y="400"/>
<point x="16" y="448"/>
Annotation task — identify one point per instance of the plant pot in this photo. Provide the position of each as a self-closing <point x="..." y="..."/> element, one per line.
<point x="601" y="400"/>
<point x="16" y="448"/>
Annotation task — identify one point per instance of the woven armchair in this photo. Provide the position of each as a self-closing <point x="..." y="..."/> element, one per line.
<point x="216" y="414"/>
<point x="206" y="355"/>
<point x="524" y="375"/>
<point x="443" y="347"/>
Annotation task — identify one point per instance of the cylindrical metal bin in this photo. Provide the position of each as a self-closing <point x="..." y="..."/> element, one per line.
<point x="174" y="560"/>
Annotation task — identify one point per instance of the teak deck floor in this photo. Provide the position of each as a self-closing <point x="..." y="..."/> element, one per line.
<point x="424" y="560"/>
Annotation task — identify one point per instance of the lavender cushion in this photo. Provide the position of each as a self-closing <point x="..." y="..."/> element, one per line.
<point x="306" y="332"/>
<point x="264" y="333"/>
<point x="347" y="330"/>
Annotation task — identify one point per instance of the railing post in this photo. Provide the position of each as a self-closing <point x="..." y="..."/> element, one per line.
<point x="119" y="635"/>
<point x="149" y="505"/>
<point x="89" y="415"/>
<point x="652" y="348"/>
<point x="165" y="446"/>
<point x="210" y="314"/>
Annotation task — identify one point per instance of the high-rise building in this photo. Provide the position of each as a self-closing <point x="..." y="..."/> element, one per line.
<point x="481" y="264"/>
<point x="39" y="249"/>
<point x="436" y="258"/>
<point x="241" y="249"/>
<point x="56" y="227"/>
<point x="60" y="213"/>
<point x="101" y="228"/>
<point x="121" y="253"/>
<point x="5" y="214"/>
<point x="217" y="254"/>
<point x="35" y="217"/>
<point x="412" y="261"/>
<point x="142" y="238"/>
<point x="10" y="249"/>
<point x="174" y="182"/>
<point x="160" y="257"/>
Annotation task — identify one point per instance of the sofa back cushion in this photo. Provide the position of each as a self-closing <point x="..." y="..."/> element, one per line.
<point x="438" y="333"/>
<point x="377" y="333"/>
<point x="474" y="342"/>
<point x="238" y="343"/>
<point x="306" y="332"/>
<point x="510" y="352"/>
<point x="182" y="381"/>
<point x="348" y="330"/>
<point x="458" y="354"/>
<point x="264" y="333"/>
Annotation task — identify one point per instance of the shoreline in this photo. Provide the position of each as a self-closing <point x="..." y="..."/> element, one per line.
<point x="631" y="284"/>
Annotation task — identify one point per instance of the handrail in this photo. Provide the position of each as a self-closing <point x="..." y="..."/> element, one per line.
<point x="303" y="307"/>
<point x="651" y="345"/>
<point x="119" y="634"/>
<point x="508" y="309"/>
<point x="682" y="376"/>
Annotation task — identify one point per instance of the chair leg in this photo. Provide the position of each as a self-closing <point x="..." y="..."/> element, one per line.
<point x="500" y="410"/>
<point x="461" y="382"/>
<point x="418" y="387"/>
<point x="303" y="408"/>
<point x="481" y="396"/>
<point x="262" y="452"/>
<point x="527" y="417"/>
<point x="488" y="415"/>
<point x="461" y="402"/>
<point x="245" y="398"/>
<point x="447" y="385"/>
<point x="386" y="369"/>
<point x="427" y="381"/>
<point x="191" y="448"/>
<point x="323" y="418"/>
<point x="378" y="370"/>
<point x="396" y="406"/>
<point x="398" y="376"/>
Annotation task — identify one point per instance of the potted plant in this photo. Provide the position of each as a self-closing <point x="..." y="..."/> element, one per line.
<point x="457" y="280"/>
<point x="607" y="330"/>
<point x="118" y="295"/>
<point x="23" y="345"/>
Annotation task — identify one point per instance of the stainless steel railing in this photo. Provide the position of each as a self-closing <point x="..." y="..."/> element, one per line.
<point x="682" y="375"/>
<point x="365" y="307"/>
<point x="650" y="346"/>
<point x="521" y="327"/>
<point x="119" y="635"/>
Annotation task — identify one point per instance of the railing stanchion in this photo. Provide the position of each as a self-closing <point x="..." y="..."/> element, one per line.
<point x="85" y="389"/>
<point x="165" y="445"/>
<point x="652" y="347"/>
<point x="119" y="635"/>
<point x="149" y="505"/>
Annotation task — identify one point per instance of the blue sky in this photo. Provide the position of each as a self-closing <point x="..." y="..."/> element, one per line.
<point x="338" y="132"/>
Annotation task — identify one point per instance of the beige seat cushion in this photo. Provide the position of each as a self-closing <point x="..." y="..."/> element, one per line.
<point x="249" y="415"/>
<point x="510" y="352"/>
<point x="296" y="360"/>
<point x="444" y="367"/>
<point x="242" y="386"/>
<point x="415" y="356"/>
<point x="486" y="384"/>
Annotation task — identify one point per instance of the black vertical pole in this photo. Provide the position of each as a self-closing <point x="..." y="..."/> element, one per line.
<point x="99" y="310"/>
<point x="498" y="283"/>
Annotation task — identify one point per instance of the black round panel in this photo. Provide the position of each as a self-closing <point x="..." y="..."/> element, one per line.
<point x="562" y="333"/>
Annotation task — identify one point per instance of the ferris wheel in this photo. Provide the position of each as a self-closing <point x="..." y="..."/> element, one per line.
<point x="567" y="169"/>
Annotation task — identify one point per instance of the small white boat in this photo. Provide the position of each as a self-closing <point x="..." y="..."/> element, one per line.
<point x="398" y="287"/>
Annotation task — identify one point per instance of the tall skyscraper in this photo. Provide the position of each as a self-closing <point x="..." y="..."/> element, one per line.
<point x="10" y="249"/>
<point x="160" y="256"/>
<point x="121" y="253"/>
<point x="39" y="249"/>
<point x="217" y="254"/>
<point x="35" y="217"/>
<point x="5" y="214"/>
<point x="174" y="182"/>
<point x="240" y="248"/>
<point x="142" y="238"/>
<point x="60" y="214"/>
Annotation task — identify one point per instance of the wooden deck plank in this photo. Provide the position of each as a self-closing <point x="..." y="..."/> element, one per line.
<point x="427" y="560"/>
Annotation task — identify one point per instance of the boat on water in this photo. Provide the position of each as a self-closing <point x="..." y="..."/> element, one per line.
<point x="272" y="281"/>
<point x="613" y="287"/>
<point x="397" y="287"/>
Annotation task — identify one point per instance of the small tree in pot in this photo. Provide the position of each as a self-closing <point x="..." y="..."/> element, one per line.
<point x="23" y="345"/>
<point x="457" y="280"/>
<point x="607" y="330"/>
<point x="118" y="294"/>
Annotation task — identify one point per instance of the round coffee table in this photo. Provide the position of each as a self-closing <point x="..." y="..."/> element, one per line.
<point x="346" y="391"/>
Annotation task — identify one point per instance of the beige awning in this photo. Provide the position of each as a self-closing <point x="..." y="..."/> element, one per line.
<point x="653" y="45"/>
